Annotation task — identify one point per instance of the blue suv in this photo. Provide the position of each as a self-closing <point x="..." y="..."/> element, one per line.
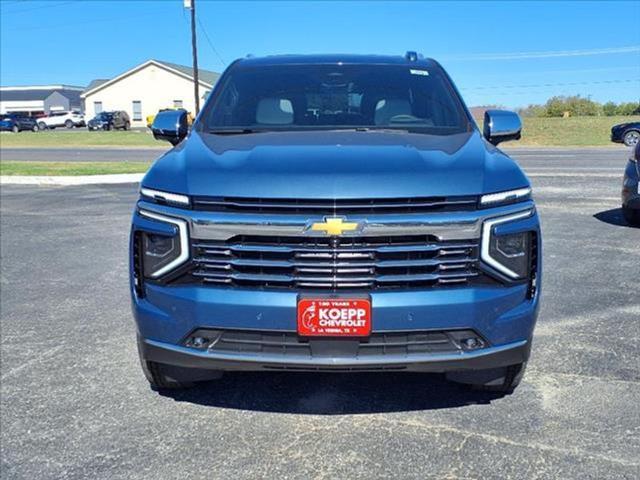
<point x="335" y="213"/>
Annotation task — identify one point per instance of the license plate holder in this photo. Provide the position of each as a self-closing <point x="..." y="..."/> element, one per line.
<point x="334" y="316"/>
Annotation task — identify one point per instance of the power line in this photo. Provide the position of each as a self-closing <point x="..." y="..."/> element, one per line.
<point x="546" y="85"/>
<point x="83" y="22"/>
<point x="204" y="30"/>
<point x="546" y="54"/>
<point x="39" y="7"/>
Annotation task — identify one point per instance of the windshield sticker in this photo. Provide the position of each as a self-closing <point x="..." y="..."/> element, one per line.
<point x="419" y="72"/>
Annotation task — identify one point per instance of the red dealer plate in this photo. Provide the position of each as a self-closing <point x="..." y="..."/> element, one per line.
<point x="337" y="317"/>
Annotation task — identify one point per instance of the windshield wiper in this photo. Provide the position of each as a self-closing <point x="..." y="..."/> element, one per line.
<point x="383" y="129"/>
<point x="232" y="131"/>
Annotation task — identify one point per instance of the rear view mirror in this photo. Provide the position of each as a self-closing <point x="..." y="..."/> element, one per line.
<point x="501" y="125"/>
<point x="170" y="125"/>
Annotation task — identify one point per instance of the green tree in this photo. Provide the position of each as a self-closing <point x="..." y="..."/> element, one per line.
<point x="575" y="105"/>
<point x="609" y="109"/>
<point x="628" y="108"/>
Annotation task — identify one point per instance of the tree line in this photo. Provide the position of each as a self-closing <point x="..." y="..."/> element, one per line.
<point x="577" y="106"/>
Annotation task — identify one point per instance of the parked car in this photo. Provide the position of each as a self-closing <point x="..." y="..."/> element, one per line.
<point x="627" y="133"/>
<point x="335" y="213"/>
<point x="631" y="188"/>
<point x="15" y="123"/>
<point x="61" y="119"/>
<point x="117" y="120"/>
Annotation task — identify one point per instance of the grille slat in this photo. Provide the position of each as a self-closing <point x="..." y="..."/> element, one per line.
<point x="333" y="263"/>
<point x="335" y="206"/>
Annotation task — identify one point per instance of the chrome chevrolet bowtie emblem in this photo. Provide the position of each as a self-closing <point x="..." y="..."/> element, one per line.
<point x="334" y="226"/>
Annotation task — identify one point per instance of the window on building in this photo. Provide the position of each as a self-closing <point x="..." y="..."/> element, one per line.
<point x="97" y="107"/>
<point x="137" y="110"/>
<point x="177" y="104"/>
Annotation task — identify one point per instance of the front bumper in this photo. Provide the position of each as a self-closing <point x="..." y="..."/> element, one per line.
<point x="490" y="357"/>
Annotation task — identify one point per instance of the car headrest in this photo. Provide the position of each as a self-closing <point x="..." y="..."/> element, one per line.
<point x="274" y="111"/>
<point x="388" y="108"/>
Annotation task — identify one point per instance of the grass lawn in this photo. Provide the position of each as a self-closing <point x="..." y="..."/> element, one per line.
<point x="71" y="168"/>
<point x="567" y="132"/>
<point x="84" y="138"/>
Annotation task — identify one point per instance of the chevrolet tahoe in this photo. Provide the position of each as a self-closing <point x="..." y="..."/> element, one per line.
<point x="336" y="213"/>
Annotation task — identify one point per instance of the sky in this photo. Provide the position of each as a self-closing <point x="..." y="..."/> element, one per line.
<point x="504" y="53"/>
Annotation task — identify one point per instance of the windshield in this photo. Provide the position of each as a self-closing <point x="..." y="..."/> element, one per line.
<point x="305" y="96"/>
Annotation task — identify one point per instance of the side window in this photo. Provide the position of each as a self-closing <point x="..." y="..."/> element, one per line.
<point x="137" y="110"/>
<point x="177" y="104"/>
<point x="97" y="107"/>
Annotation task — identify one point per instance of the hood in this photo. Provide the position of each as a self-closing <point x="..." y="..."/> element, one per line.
<point x="334" y="164"/>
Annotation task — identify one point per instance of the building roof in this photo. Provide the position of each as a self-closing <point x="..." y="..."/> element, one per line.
<point x="42" y="87"/>
<point x="95" y="83"/>
<point x="26" y="94"/>
<point x="206" y="77"/>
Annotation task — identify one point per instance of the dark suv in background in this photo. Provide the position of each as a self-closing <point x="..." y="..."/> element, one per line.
<point x="16" y="123"/>
<point x="118" y="119"/>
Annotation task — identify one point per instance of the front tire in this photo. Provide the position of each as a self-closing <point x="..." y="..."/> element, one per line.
<point x="631" y="138"/>
<point x="68" y="124"/>
<point x="500" y="380"/>
<point x="632" y="216"/>
<point x="127" y="126"/>
<point x="42" y="126"/>
<point x="15" y="129"/>
<point x="169" y="377"/>
<point x="157" y="376"/>
<point x="35" y="128"/>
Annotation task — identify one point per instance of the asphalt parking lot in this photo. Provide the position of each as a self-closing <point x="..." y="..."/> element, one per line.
<point x="74" y="403"/>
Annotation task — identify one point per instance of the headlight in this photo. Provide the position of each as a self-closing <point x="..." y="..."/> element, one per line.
<point x="163" y="253"/>
<point x="509" y="196"/>
<point x="510" y="253"/>
<point x="165" y="197"/>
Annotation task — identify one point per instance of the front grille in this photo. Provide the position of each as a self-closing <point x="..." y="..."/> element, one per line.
<point x="327" y="263"/>
<point x="335" y="207"/>
<point x="391" y="344"/>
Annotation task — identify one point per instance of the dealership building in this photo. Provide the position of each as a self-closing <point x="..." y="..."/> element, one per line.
<point x="39" y="100"/>
<point x="147" y="88"/>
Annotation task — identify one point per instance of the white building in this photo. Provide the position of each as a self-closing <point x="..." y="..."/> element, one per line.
<point x="39" y="99"/>
<point x="147" y="88"/>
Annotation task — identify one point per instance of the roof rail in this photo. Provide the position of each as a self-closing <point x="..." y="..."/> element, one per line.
<point x="411" y="56"/>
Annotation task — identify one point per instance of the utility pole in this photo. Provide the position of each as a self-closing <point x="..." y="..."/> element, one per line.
<point x="191" y="5"/>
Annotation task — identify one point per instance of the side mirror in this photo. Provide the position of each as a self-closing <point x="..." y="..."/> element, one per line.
<point x="501" y="125"/>
<point x="170" y="125"/>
